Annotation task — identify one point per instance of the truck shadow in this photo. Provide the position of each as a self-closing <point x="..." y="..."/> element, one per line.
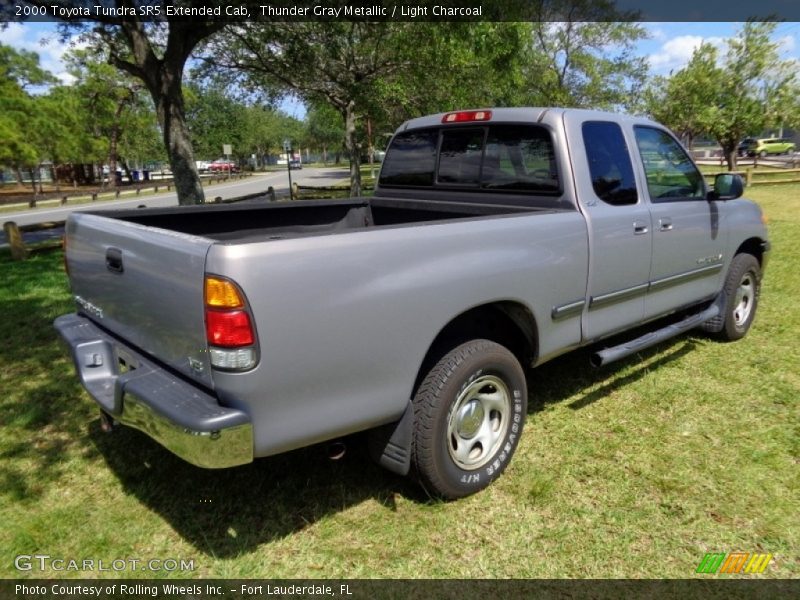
<point x="572" y="374"/>
<point x="226" y="512"/>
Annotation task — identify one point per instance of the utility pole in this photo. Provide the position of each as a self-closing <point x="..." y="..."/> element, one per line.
<point x="287" y="148"/>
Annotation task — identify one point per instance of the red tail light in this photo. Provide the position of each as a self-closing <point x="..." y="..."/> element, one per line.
<point x="228" y="329"/>
<point x="465" y="116"/>
<point x="230" y="333"/>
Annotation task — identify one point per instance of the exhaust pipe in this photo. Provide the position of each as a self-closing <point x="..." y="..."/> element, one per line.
<point x="106" y="422"/>
<point x="336" y="450"/>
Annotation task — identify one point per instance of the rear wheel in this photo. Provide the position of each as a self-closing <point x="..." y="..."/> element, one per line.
<point x="468" y="416"/>
<point x="741" y="292"/>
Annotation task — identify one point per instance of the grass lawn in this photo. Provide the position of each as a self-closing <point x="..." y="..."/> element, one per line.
<point x="634" y="470"/>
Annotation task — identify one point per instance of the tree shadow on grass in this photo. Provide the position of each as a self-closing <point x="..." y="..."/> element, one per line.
<point x="42" y="415"/>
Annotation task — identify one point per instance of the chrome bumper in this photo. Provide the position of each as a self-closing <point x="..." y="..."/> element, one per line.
<point x="135" y="391"/>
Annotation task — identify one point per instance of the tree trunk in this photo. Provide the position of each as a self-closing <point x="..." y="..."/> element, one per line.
<point x="351" y="144"/>
<point x="54" y="176"/>
<point x="127" y="168"/>
<point x="730" y="155"/>
<point x="171" y="118"/>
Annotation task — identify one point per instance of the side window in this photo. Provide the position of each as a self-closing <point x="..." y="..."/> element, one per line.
<point x="671" y="175"/>
<point x="411" y="159"/>
<point x="609" y="163"/>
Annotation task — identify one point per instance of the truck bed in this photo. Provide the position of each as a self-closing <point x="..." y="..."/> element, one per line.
<point x="255" y="221"/>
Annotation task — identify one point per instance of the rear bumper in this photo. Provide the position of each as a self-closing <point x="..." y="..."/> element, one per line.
<point x="176" y="413"/>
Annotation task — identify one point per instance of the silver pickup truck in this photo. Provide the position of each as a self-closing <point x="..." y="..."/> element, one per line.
<point x="495" y="241"/>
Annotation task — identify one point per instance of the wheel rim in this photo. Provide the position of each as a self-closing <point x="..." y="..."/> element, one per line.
<point x="478" y="422"/>
<point x="745" y="296"/>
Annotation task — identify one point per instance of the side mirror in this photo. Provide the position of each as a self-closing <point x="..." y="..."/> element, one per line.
<point x="727" y="186"/>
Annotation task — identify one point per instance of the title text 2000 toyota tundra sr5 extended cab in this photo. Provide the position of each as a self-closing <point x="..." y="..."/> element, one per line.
<point x="495" y="241"/>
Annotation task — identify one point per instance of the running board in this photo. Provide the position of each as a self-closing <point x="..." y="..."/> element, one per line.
<point x="609" y="355"/>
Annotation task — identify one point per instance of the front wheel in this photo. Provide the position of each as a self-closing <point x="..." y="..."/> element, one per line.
<point x="468" y="416"/>
<point x="741" y="292"/>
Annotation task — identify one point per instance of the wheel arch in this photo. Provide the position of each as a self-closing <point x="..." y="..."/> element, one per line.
<point x="754" y="246"/>
<point x="506" y="322"/>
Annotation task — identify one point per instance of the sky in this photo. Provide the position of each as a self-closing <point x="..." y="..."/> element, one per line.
<point x="668" y="48"/>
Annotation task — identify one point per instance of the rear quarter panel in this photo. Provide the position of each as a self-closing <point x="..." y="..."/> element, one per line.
<point x="344" y="321"/>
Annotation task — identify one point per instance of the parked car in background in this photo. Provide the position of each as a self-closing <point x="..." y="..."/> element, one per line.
<point x="223" y="165"/>
<point x="746" y="145"/>
<point x="202" y="166"/>
<point x="766" y="146"/>
<point x="295" y="164"/>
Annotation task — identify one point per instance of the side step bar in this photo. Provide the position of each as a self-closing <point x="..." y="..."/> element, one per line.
<point x="609" y="355"/>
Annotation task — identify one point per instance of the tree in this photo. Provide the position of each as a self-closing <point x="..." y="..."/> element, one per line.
<point x="156" y="53"/>
<point x="381" y="70"/>
<point x="109" y="98"/>
<point x="215" y="119"/>
<point x="21" y="121"/>
<point x="582" y="55"/>
<point x="333" y="62"/>
<point x="685" y="101"/>
<point x="749" y="91"/>
<point x="325" y="130"/>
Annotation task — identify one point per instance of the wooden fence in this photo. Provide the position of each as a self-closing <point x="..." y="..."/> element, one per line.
<point x="95" y="194"/>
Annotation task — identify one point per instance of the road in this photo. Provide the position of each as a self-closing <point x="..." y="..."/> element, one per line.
<point x="258" y="183"/>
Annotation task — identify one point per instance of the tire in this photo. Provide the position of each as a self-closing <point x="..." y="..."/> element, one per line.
<point x="763" y="154"/>
<point x="740" y="294"/>
<point x="469" y="412"/>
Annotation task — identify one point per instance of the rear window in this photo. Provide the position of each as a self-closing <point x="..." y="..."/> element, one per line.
<point x="411" y="159"/>
<point x="516" y="158"/>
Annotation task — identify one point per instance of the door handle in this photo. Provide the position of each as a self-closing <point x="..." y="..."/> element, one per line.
<point x="665" y="224"/>
<point x="640" y="228"/>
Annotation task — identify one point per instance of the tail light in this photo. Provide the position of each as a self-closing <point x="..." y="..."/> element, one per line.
<point x="229" y="328"/>
<point x="466" y="116"/>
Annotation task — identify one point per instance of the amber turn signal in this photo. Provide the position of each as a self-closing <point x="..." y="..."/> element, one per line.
<point x="221" y="293"/>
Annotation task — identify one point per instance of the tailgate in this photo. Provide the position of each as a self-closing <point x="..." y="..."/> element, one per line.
<point x="143" y="284"/>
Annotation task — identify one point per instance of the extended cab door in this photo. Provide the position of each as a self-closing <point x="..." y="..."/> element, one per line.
<point x="620" y="232"/>
<point x="688" y="240"/>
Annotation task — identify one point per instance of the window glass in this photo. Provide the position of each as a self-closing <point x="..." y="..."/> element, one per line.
<point x="671" y="175"/>
<point x="519" y="158"/>
<point x="515" y="158"/>
<point x="460" y="156"/>
<point x="411" y="159"/>
<point x="609" y="163"/>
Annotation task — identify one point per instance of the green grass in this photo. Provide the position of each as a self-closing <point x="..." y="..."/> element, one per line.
<point x="634" y="470"/>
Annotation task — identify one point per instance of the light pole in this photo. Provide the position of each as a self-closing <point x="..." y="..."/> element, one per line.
<point x="287" y="148"/>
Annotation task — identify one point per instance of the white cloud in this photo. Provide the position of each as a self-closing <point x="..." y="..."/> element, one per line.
<point x="46" y="43"/>
<point x="655" y="32"/>
<point x="786" y="44"/>
<point x="675" y="53"/>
